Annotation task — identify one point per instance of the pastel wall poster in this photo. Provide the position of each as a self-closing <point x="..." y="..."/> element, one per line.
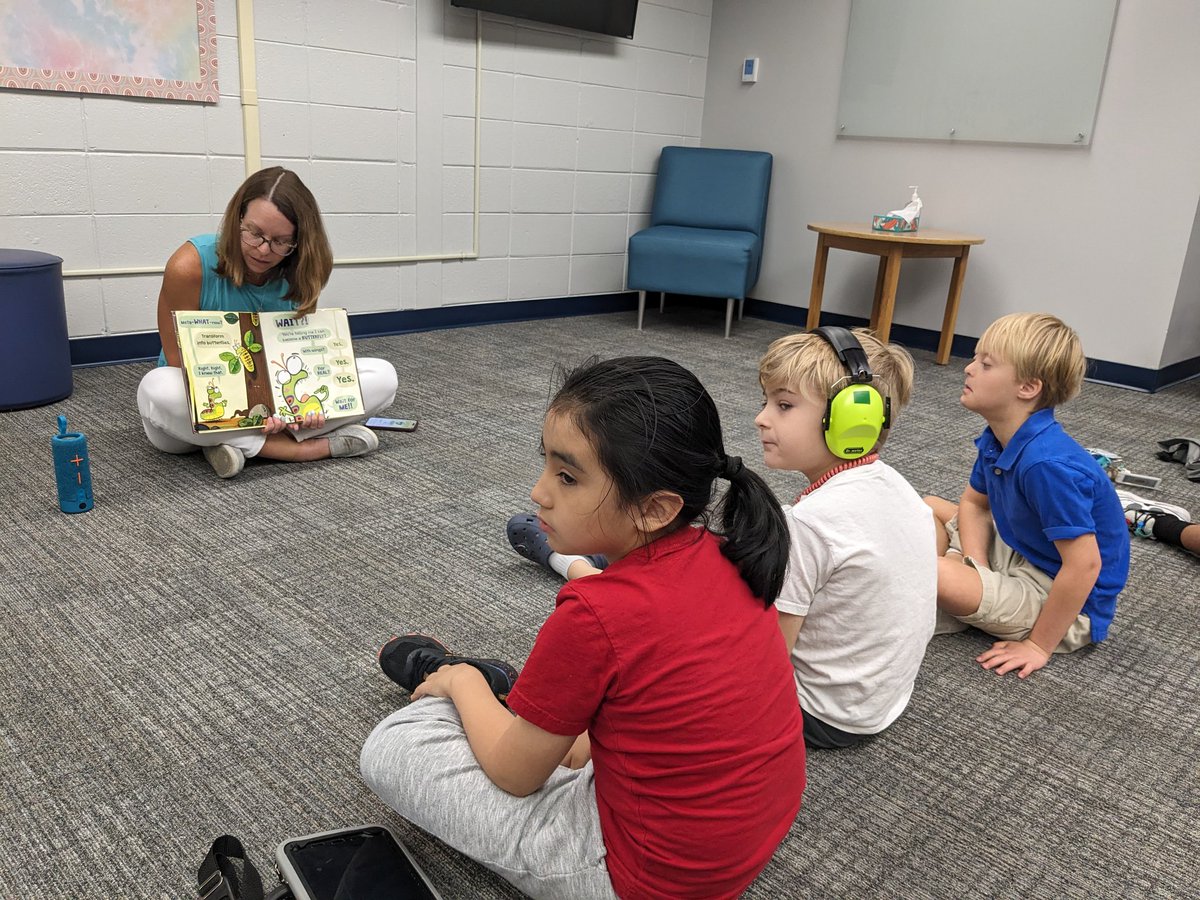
<point x="136" y="48"/>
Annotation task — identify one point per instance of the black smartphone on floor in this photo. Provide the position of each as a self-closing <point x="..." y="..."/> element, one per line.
<point x="366" y="862"/>
<point x="392" y="424"/>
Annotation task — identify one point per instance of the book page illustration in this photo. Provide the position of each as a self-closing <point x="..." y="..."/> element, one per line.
<point x="312" y="364"/>
<point x="226" y="387"/>
<point x="241" y="368"/>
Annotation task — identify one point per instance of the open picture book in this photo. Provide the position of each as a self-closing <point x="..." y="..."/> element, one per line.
<point x="241" y="368"/>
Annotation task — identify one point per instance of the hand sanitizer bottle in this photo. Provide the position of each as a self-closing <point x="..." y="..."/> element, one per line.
<point x="912" y="212"/>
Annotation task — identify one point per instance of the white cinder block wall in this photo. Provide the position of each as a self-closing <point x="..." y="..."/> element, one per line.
<point x="372" y="103"/>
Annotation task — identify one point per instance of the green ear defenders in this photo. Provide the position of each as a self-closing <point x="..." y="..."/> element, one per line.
<point x="856" y="412"/>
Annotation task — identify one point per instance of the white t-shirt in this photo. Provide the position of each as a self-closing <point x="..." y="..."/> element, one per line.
<point x="862" y="570"/>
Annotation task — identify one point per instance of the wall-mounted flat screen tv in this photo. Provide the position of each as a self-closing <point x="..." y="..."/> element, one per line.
<point x="613" y="17"/>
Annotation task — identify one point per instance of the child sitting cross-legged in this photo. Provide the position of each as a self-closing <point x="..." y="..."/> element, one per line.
<point x="857" y="608"/>
<point x="1036" y="551"/>
<point x="652" y="746"/>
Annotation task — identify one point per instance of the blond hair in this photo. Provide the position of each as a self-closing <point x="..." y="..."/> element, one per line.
<point x="1038" y="346"/>
<point x="807" y="364"/>
<point x="306" y="268"/>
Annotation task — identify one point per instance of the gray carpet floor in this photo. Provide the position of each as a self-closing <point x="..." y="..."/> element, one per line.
<point x="196" y="656"/>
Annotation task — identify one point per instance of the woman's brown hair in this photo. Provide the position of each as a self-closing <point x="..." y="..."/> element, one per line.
<point x="307" y="267"/>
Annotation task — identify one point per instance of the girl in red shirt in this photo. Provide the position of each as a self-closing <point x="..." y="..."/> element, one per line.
<point x="652" y="745"/>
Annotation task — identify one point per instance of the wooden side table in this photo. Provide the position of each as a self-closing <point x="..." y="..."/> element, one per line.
<point x="892" y="248"/>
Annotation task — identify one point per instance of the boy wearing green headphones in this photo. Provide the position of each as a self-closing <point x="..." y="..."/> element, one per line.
<point x="858" y="605"/>
<point x="1036" y="550"/>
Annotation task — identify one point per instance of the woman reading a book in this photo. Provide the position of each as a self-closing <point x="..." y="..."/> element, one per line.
<point x="271" y="255"/>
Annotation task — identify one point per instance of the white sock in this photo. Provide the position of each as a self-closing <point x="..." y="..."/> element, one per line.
<point x="561" y="562"/>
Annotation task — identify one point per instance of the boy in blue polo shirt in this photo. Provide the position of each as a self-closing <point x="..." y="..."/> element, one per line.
<point x="1037" y="549"/>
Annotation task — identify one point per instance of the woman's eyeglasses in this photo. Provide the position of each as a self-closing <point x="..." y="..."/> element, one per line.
<point x="252" y="237"/>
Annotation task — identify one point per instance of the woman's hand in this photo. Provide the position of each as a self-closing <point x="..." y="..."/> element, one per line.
<point x="274" y="424"/>
<point x="313" y="420"/>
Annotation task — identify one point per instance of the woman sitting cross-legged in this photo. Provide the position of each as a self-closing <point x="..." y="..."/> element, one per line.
<point x="271" y="255"/>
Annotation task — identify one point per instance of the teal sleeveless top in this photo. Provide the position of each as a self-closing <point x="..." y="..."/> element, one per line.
<point x="218" y="294"/>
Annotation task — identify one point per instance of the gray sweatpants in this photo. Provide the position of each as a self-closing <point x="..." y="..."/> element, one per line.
<point x="548" y="844"/>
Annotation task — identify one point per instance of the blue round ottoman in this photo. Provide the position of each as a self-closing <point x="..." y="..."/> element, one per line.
<point x="35" y="354"/>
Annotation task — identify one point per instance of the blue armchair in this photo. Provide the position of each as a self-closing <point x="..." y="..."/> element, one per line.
<point x="706" y="227"/>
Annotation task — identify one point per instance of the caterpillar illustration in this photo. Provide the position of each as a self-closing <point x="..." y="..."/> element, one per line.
<point x="239" y="355"/>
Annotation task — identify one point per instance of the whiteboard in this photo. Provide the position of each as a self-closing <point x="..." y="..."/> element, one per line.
<point x="1026" y="71"/>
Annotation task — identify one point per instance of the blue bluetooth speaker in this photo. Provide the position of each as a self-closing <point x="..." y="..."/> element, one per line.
<point x="71" y="469"/>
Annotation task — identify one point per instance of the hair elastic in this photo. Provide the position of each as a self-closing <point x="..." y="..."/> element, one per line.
<point x="731" y="467"/>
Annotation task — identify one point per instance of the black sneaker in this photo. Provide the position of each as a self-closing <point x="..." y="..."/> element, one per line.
<point x="407" y="659"/>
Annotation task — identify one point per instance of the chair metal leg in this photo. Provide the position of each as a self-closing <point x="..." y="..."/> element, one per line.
<point x="662" y="301"/>
<point x="741" y="306"/>
<point x="641" y="308"/>
<point x="728" y="315"/>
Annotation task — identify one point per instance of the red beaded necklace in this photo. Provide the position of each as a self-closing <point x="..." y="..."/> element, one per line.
<point x="848" y="464"/>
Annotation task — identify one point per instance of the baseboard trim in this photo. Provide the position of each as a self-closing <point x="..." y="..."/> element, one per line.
<point x="909" y="336"/>
<point x="1117" y="374"/>
<point x="122" y="348"/>
<point x="102" y="351"/>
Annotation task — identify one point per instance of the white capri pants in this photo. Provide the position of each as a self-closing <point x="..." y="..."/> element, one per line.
<point x="162" y="402"/>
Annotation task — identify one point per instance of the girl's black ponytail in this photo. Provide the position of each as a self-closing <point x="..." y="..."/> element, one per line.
<point x="756" y="534"/>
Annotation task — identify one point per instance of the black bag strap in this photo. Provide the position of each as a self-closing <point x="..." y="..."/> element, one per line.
<point x="218" y="877"/>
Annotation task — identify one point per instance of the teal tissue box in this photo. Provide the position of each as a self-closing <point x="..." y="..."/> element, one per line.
<point x="897" y="224"/>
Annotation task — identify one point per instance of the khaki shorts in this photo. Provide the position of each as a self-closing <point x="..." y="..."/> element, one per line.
<point x="1014" y="591"/>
